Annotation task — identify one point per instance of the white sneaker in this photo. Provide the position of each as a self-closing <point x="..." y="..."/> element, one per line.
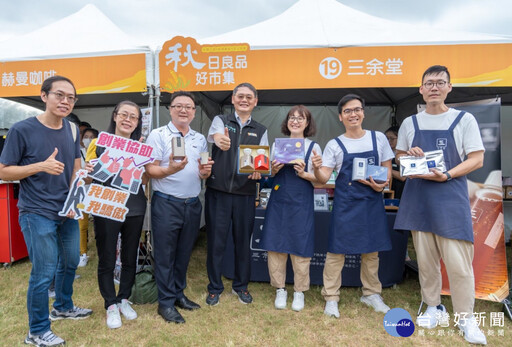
<point x="331" y="309"/>
<point x="433" y="316"/>
<point x="281" y="296"/>
<point x="472" y="332"/>
<point x="126" y="309"/>
<point x="83" y="260"/>
<point x="375" y="301"/>
<point x="46" y="339"/>
<point x="113" y="317"/>
<point x="298" y="301"/>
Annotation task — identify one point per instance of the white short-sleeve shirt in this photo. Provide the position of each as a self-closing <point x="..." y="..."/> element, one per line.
<point x="185" y="183"/>
<point x="466" y="134"/>
<point x="333" y="154"/>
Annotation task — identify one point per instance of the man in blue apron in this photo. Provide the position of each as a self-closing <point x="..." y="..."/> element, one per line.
<point x="359" y="224"/>
<point x="435" y="207"/>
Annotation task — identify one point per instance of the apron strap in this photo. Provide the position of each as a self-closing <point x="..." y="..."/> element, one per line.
<point x="375" y="150"/>
<point x="308" y="154"/>
<point x="415" y="123"/>
<point x="342" y="146"/>
<point x="457" y="120"/>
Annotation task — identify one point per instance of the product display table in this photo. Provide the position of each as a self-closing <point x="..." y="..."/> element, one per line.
<point x="391" y="267"/>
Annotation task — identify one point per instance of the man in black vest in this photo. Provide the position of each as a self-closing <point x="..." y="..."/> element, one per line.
<point x="230" y="197"/>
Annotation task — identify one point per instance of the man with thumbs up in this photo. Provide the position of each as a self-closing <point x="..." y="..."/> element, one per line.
<point x="43" y="153"/>
<point x="230" y="198"/>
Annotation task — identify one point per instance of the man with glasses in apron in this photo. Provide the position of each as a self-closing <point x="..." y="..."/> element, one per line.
<point x="435" y="206"/>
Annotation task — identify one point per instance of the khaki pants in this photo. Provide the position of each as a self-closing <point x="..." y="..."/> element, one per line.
<point x="457" y="256"/>
<point x="83" y="224"/>
<point x="277" y="270"/>
<point x="332" y="275"/>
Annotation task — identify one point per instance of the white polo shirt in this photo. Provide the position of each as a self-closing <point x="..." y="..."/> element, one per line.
<point x="185" y="183"/>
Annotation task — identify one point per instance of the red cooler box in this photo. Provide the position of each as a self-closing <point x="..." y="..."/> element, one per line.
<point x="12" y="244"/>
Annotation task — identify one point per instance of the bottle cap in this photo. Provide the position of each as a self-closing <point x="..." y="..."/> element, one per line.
<point x="261" y="151"/>
<point x="493" y="180"/>
<point x="247" y="151"/>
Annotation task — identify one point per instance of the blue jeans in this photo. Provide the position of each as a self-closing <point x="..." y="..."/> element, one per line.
<point x="54" y="250"/>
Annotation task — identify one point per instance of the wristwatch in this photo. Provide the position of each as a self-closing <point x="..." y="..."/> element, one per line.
<point x="448" y="176"/>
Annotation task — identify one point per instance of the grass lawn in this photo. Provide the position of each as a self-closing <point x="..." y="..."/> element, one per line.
<point x="231" y="323"/>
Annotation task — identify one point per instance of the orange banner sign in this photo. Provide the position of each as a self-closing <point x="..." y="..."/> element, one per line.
<point x="91" y="75"/>
<point x="185" y="64"/>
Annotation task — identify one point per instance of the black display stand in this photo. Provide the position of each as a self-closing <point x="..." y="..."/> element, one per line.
<point x="391" y="267"/>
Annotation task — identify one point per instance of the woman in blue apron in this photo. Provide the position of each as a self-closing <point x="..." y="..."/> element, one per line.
<point x="289" y="220"/>
<point x="358" y="220"/>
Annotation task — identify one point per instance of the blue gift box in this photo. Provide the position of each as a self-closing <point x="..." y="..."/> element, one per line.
<point x="288" y="150"/>
<point x="378" y="173"/>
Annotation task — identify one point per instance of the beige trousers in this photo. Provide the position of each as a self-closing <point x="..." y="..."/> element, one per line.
<point x="457" y="256"/>
<point x="277" y="270"/>
<point x="332" y="275"/>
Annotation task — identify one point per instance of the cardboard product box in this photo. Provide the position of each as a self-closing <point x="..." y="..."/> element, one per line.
<point x="250" y="160"/>
<point x="359" y="168"/>
<point x="178" y="147"/>
<point x="288" y="150"/>
<point x="261" y="162"/>
<point x="379" y="173"/>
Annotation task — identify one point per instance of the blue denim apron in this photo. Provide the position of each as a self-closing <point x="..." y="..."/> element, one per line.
<point x="438" y="207"/>
<point x="358" y="220"/>
<point x="289" y="219"/>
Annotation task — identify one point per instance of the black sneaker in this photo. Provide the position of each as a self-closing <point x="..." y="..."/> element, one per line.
<point x="74" y="313"/>
<point x="243" y="296"/>
<point x="212" y="299"/>
<point x="46" y="339"/>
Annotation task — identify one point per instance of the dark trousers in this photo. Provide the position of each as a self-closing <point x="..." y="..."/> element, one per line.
<point x="175" y="224"/>
<point x="227" y="212"/>
<point x="107" y="232"/>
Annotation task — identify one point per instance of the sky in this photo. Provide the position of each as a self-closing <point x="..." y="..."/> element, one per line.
<point x="153" y="22"/>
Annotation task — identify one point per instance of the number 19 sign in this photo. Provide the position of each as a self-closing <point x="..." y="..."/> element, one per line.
<point x="330" y="68"/>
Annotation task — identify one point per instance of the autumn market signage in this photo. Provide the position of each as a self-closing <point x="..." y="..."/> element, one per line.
<point x="184" y="64"/>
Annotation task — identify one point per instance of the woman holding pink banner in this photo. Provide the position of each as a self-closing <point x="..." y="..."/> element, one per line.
<point x="289" y="220"/>
<point x="125" y="123"/>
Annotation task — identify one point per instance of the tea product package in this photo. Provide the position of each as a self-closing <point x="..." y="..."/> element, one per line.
<point x="288" y="150"/>
<point x="359" y="168"/>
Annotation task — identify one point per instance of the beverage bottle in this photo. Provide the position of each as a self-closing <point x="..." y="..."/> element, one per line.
<point x="488" y="222"/>
<point x="488" y="225"/>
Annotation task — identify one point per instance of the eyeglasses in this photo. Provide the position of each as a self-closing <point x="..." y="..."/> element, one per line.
<point x="133" y="117"/>
<point x="296" y="119"/>
<point x="180" y="107"/>
<point x="391" y="138"/>
<point x="249" y="97"/>
<point x="430" y="84"/>
<point x="356" y="110"/>
<point x="59" y="96"/>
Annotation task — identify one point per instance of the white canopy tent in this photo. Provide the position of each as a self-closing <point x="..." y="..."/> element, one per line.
<point x="328" y="23"/>
<point x="86" y="33"/>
